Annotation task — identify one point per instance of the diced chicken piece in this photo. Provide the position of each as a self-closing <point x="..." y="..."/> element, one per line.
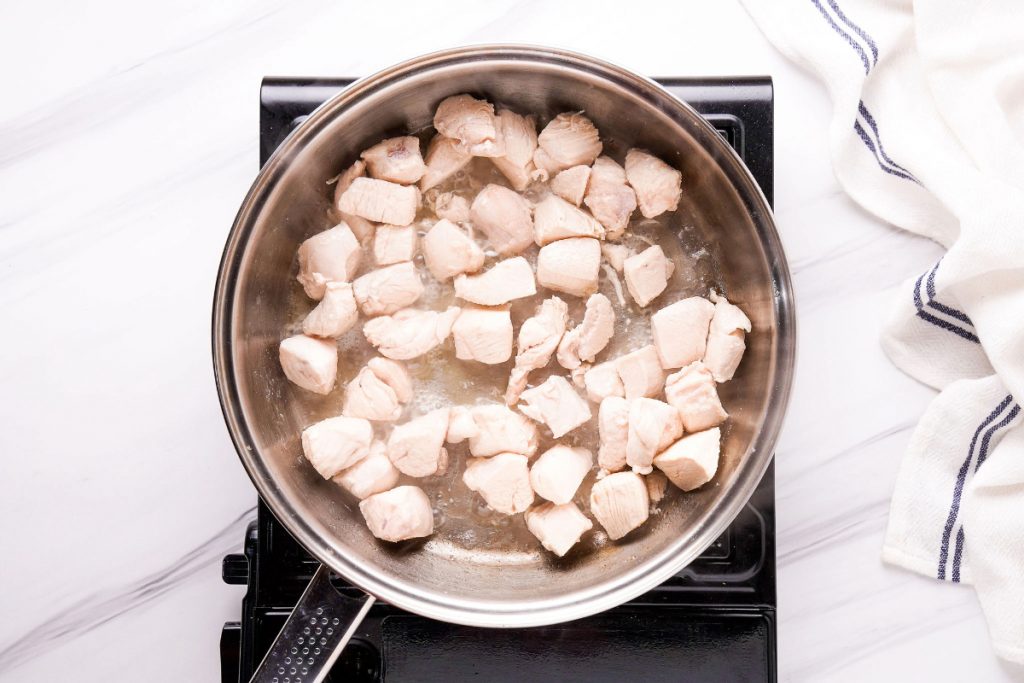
<point x="613" y="430"/>
<point x="555" y="403"/>
<point x="399" y="514"/>
<point x="472" y="123"/>
<point x="373" y="474"/>
<point x="331" y="256"/>
<point x="503" y="481"/>
<point x="310" y="363"/>
<point x="387" y="289"/>
<point x="503" y="216"/>
<point x="602" y="381"/>
<point x="584" y="342"/>
<point x="504" y="281"/>
<point x="647" y="274"/>
<point x="445" y="158"/>
<point x="641" y="373"/>
<point x="416" y="448"/>
<point x="557" y="527"/>
<point x="519" y="134"/>
<point x="578" y="374"/>
<point x="538" y="339"/>
<point x="620" y="503"/>
<point x="658" y="186"/>
<point x="609" y="198"/>
<point x="570" y="265"/>
<point x="461" y="425"/>
<point x="397" y="160"/>
<point x="726" y="340"/>
<point x="692" y="392"/>
<point x="559" y="471"/>
<point x="394" y="244"/>
<point x="360" y="227"/>
<point x="333" y="444"/>
<point x="570" y="139"/>
<point x="448" y="251"/>
<point x="500" y="430"/>
<point x="680" y="331"/>
<point x="381" y="201"/>
<point x="394" y="375"/>
<point x="692" y="461"/>
<point x="410" y="333"/>
<point x="656" y="483"/>
<point x="555" y="219"/>
<point x="653" y="425"/>
<point x="616" y="255"/>
<point x="571" y="184"/>
<point x="452" y="207"/>
<point x="335" y="314"/>
<point x="483" y="334"/>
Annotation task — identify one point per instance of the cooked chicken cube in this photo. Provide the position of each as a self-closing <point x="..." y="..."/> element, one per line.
<point x="503" y="481"/>
<point x="344" y="179"/>
<point x="452" y="207"/>
<point x="387" y="289"/>
<point x="559" y="471"/>
<point x="680" y="331"/>
<point x="410" y="333"/>
<point x="557" y="527"/>
<point x="503" y="216"/>
<point x="397" y="160"/>
<point x="692" y="392"/>
<point x="335" y="314"/>
<point x="331" y="256"/>
<point x="461" y="425"/>
<point x="538" y="339"/>
<point x="570" y="265"/>
<point x="381" y="201"/>
<point x="373" y="474"/>
<point x="616" y="255"/>
<point x="394" y="244"/>
<point x="445" y="158"/>
<point x="471" y="122"/>
<point x="504" y="281"/>
<point x="609" y="198"/>
<point x="647" y="274"/>
<point x="613" y="430"/>
<point x="519" y="134"/>
<point x="416" y="448"/>
<point x="653" y="425"/>
<point x="726" y="340"/>
<point x="333" y="444"/>
<point x="399" y="514"/>
<point x="555" y="403"/>
<point x="658" y="186"/>
<point x="394" y="375"/>
<point x="500" y="430"/>
<point x="555" y="219"/>
<point x="641" y="373"/>
<point x="584" y="342"/>
<point x="656" y="483"/>
<point x="310" y="363"/>
<point x="602" y="381"/>
<point x="570" y="139"/>
<point x="691" y="461"/>
<point x="448" y="251"/>
<point x="620" y="503"/>
<point x="571" y="184"/>
<point x="483" y="334"/>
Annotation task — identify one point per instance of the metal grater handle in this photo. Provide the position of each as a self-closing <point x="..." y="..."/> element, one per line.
<point x="317" y="631"/>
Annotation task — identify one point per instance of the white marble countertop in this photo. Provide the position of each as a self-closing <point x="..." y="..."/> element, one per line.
<point x="128" y="136"/>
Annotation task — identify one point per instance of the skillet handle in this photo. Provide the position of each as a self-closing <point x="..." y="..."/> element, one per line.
<point x="317" y="631"/>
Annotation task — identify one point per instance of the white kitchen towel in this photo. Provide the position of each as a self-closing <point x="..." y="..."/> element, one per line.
<point x="927" y="133"/>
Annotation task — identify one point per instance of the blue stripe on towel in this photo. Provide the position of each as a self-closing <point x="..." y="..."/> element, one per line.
<point x="846" y="36"/>
<point x="862" y="108"/>
<point x="948" y="310"/>
<point x="961" y="477"/>
<point x="856" y="29"/>
<point x="958" y="553"/>
<point x="939" y="322"/>
<point x="871" y="145"/>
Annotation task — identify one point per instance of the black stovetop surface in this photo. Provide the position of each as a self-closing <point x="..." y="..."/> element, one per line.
<point x="714" y="621"/>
